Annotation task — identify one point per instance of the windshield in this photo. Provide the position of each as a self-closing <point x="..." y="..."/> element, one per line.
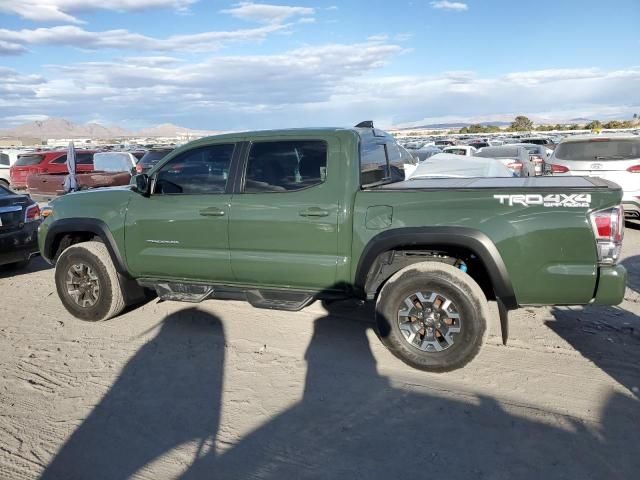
<point x="153" y="156"/>
<point x="24" y="160"/>
<point x="456" y="151"/>
<point x="4" y="192"/>
<point x="599" y="149"/>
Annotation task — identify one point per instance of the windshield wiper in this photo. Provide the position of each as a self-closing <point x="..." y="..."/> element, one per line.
<point x="612" y="157"/>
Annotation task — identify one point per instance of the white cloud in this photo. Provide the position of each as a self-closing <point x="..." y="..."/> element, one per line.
<point x="334" y="84"/>
<point x="60" y="10"/>
<point x="265" y="13"/>
<point x="445" y="5"/>
<point x="15" y="41"/>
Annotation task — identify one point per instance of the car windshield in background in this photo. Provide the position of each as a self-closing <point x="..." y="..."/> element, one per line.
<point x="24" y="160"/>
<point x="498" y="152"/>
<point x="5" y="192"/>
<point x="599" y="149"/>
<point x="153" y="156"/>
<point x="456" y="151"/>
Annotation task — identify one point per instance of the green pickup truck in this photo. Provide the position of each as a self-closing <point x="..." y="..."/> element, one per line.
<point x="282" y="218"/>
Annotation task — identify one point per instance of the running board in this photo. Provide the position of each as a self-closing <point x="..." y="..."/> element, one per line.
<point x="279" y="299"/>
<point x="272" y="299"/>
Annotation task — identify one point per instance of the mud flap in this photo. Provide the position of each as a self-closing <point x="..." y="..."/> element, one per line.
<point x="504" y="321"/>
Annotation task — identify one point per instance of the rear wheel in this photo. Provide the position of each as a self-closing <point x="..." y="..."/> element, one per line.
<point x="87" y="282"/>
<point x="432" y="316"/>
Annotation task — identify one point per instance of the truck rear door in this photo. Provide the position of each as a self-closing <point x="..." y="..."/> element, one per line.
<point x="283" y="230"/>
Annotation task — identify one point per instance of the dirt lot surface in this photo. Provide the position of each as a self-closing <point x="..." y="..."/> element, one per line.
<point x="222" y="390"/>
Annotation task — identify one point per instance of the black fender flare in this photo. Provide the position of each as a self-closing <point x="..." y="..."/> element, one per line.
<point x="91" y="225"/>
<point x="468" y="238"/>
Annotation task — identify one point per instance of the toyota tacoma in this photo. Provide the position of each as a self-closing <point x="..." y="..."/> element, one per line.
<point x="282" y="218"/>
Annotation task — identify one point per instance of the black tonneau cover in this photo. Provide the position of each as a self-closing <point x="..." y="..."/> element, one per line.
<point x="545" y="183"/>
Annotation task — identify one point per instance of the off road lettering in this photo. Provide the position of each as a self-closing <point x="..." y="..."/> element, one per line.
<point x="575" y="200"/>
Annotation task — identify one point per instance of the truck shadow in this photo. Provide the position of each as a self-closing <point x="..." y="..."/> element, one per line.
<point x="351" y="422"/>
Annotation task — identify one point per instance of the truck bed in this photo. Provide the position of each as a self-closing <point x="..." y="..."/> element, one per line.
<point x="51" y="184"/>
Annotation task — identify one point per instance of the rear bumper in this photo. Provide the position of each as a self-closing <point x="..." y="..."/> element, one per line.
<point x="20" y="245"/>
<point x="611" y="285"/>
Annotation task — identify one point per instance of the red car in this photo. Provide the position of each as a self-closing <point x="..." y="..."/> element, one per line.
<point x="47" y="162"/>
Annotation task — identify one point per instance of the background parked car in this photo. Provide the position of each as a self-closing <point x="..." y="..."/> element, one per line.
<point x="451" y="165"/>
<point x="19" y="220"/>
<point x="5" y="177"/>
<point x="538" y="155"/>
<point x="465" y="150"/>
<point x="111" y="169"/>
<point x="613" y="158"/>
<point x="513" y="157"/>
<point x="426" y="152"/>
<point x="47" y="162"/>
<point x="150" y="158"/>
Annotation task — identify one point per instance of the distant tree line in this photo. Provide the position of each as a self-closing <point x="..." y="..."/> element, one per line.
<point x="524" y="124"/>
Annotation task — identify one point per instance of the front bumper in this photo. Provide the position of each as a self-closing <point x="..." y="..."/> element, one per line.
<point x="612" y="282"/>
<point x="19" y="245"/>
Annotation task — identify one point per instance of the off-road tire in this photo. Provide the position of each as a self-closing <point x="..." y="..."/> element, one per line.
<point x="110" y="301"/>
<point x="464" y="292"/>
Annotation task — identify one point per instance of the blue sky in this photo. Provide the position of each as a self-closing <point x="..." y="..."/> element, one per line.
<point x="228" y="65"/>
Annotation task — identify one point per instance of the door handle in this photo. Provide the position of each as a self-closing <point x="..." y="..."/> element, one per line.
<point x="212" y="212"/>
<point x="314" y="212"/>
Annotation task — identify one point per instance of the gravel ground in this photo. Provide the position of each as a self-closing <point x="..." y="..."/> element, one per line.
<point x="222" y="390"/>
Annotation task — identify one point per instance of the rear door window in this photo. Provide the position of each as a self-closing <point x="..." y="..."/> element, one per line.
<point x="4" y="159"/>
<point x="285" y="166"/>
<point x="374" y="163"/>
<point x="81" y="159"/>
<point x="599" y="149"/>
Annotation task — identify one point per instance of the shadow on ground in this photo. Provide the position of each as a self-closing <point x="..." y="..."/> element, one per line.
<point x="350" y="422"/>
<point x="36" y="264"/>
<point x="608" y="336"/>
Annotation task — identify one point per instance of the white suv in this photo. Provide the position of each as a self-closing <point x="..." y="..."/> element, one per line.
<point x="4" y="169"/>
<point x="614" y="158"/>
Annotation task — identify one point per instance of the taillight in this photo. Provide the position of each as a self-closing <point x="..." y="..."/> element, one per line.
<point x="515" y="165"/>
<point x="558" y="168"/>
<point x="32" y="214"/>
<point x="634" y="169"/>
<point x="138" y="168"/>
<point x="608" y="228"/>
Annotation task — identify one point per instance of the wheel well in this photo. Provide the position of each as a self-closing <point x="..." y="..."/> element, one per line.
<point x="62" y="241"/>
<point x="391" y="261"/>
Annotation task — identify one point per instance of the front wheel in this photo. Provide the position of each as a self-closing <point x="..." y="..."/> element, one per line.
<point x="87" y="282"/>
<point x="432" y="316"/>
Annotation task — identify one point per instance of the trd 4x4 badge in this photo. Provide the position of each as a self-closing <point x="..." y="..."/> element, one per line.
<point x="551" y="200"/>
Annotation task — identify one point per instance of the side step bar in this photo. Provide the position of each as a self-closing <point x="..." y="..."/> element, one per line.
<point x="272" y="299"/>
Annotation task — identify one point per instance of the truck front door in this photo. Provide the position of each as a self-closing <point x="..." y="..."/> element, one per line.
<point x="181" y="230"/>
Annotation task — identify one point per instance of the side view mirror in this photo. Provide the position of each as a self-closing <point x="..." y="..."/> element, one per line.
<point x="142" y="184"/>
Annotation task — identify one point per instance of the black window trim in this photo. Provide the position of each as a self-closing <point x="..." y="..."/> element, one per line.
<point x="230" y="180"/>
<point x="244" y="162"/>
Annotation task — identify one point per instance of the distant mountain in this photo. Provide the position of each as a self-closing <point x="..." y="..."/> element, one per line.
<point x="61" y="128"/>
<point x="455" y="125"/>
<point x="170" y="130"/>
